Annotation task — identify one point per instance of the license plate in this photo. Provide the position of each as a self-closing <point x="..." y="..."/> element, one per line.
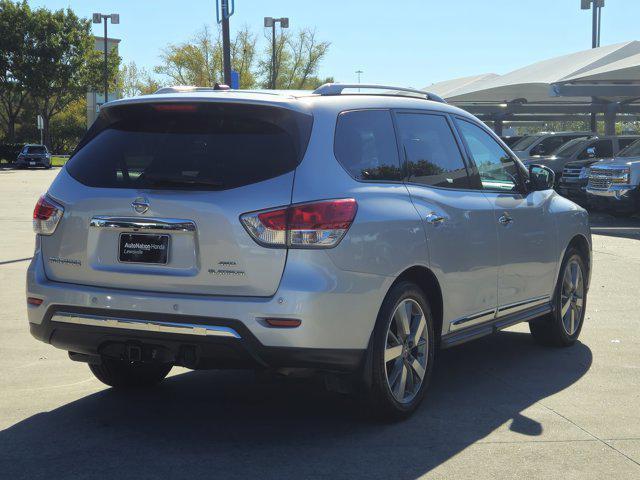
<point x="32" y="164"/>
<point x="143" y="248"/>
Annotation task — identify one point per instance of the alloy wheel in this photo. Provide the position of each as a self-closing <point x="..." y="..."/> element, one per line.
<point x="406" y="350"/>
<point x="572" y="297"/>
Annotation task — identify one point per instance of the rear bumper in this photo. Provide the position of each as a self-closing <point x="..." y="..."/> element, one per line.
<point x="337" y="309"/>
<point x="229" y="345"/>
<point x="32" y="162"/>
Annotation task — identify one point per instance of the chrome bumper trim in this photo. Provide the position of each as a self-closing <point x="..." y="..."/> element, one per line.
<point x="159" y="224"/>
<point x="145" y="325"/>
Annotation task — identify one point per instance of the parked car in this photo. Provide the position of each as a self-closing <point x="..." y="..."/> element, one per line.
<point x="575" y="157"/>
<point x="532" y="147"/>
<point x="350" y="234"/>
<point x="34" y="156"/>
<point x="511" y="139"/>
<point x="613" y="183"/>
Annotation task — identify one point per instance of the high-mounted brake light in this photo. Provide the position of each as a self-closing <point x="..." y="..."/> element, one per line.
<point x="46" y="216"/>
<point x="306" y="225"/>
<point x="175" y="107"/>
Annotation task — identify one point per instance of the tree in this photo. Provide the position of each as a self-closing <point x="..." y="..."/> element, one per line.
<point x="68" y="127"/>
<point x="298" y="58"/>
<point x="133" y="81"/>
<point x="13" y="94"/>
<point x="199" y="61"/>
<point x="61" y="63"/>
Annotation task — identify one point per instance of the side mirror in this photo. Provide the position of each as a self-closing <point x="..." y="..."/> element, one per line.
<point x="591" y="152"/>
<point x="541" y="177"/>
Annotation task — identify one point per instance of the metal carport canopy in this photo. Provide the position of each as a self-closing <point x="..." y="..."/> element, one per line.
<point x="602" y="80"/>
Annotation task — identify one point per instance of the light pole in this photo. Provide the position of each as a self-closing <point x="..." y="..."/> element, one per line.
<point x="596" y="14"/>
<point x="359" y="73"/>
<point x="271" y="22"/>
<point x="115" y="19"/>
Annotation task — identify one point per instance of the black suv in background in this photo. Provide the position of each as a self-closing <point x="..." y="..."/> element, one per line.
<point x="34" y="156"/>
<point x="571" y="162"/>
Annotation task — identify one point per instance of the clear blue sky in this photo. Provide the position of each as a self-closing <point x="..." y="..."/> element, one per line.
<point x="408" y="42"/>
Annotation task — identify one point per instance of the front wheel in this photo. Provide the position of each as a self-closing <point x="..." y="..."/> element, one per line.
<point x="121" y="374"/>
<point x="402" y="352"/>
<point x="562" y="326"/>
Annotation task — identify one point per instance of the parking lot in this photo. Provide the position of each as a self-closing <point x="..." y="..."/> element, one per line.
<point x="501" y="407"/>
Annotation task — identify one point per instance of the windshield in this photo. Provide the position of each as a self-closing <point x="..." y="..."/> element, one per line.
<point x="35" y="149"/>
<point x="525" y="142"/>
<point x="190" y="146"/>
<point x="632" y="150"/>
<point x="571" y="147"/>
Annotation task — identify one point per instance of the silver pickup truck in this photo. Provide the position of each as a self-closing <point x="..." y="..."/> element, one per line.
<point x="614" y="183"/>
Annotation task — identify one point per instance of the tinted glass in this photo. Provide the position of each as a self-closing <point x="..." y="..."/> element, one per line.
<point x="365" y="145"/>
<point x="550" y="145"/>
<point x="497" y="170"/>
<point x="632" y="150"/>
<point x="571" y="147"/>
<point x="525" y="142"/>
<point x="433" y="157"/>
<point x="189" y="146"/>
<point x="35" y="150"/>
<point x="604" y="148"/>
<point x="625" y="142"/>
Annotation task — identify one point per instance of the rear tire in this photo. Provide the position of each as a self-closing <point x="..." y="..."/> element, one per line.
<point x="402" y="352"/>
<point x="562" y="326"/>
<point x="121" y="374"/>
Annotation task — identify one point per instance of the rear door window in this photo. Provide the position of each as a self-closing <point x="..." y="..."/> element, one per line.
<point x="432" y="154"/>
<point x="365" y="145"/>
<point x="206" y="146"/>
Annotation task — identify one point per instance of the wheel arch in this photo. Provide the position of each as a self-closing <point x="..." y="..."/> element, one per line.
<point x="428" y="283"/>
<point x="580" y="243"/>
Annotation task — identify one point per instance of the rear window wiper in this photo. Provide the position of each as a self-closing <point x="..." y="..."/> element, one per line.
<point x="164" y="180"/>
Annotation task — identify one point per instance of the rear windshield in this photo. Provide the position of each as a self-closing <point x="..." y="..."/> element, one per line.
<point x="202" y="146"/>
<point x="35" y="149"/>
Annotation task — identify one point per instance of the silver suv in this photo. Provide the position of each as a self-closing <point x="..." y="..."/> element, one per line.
<point x="353" y="234"/>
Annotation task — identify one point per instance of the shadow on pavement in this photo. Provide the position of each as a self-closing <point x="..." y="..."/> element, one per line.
<point x="229" y="425"/>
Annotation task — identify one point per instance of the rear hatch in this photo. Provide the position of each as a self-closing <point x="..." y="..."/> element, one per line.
<point x="154" y="192"/>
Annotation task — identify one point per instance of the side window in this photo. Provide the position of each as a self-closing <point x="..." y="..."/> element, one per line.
<point x="497" y="170"/>
<point x="625" y="142"/>
<point x="550" y="144"/>
<point x="604" y="148"/>
<point x="433" y="156"/>
<point x="365" y="145"/>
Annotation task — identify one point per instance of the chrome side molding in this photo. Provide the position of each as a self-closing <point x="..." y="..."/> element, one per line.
<point x="145" y="325"/>
<point x="152" y="224"/>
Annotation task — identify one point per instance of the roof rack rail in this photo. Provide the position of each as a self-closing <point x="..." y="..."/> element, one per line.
<point x="337" y="88"/>
<point x="191" y="88"/>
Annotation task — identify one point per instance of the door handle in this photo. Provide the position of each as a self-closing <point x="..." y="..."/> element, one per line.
<point x="505" y="219"/>
<point x="434" y="219"/>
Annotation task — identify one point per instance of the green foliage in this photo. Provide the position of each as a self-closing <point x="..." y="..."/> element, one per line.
<point x="13" y="27"/>
<point x="298" y="58"/>
<point x="47" y="62"/>
<point x="133" y="81"/>
<point x="199" y="61"/>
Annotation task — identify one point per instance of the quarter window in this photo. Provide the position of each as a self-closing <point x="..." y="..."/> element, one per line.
<point x="496" y="168"/>
<point x="432" y="154"/>
<point x="365" y="145"/>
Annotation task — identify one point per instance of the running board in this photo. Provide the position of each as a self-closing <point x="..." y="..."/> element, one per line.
<point x="487" y="328"/>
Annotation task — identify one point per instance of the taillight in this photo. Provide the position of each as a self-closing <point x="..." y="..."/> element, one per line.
<point x="46" y="216"/>
<point x="306" y="225"/>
